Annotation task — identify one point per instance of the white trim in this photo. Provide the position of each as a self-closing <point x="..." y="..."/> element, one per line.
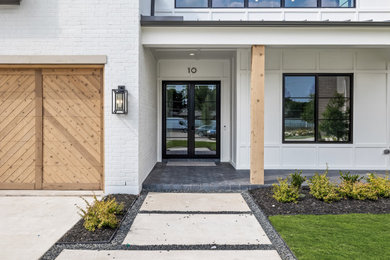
<point x="53" y="59"/>
<point x="245" y="37"/>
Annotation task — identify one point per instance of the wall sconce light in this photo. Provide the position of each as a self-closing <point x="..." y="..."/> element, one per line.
<point x="119" y="100"/>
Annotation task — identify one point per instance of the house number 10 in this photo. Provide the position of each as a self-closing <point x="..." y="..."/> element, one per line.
<point x="192" y="70"/>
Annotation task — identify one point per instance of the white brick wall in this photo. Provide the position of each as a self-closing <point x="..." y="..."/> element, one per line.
<point x="88" y="27"/>
<point x="148" y="113"/>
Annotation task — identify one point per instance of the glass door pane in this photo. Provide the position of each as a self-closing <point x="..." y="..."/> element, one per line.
<point x="205" y="102"/>
<point x="176" y="119"/>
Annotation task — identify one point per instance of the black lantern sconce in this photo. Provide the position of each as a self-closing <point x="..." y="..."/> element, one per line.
<point x="119" y="100"/>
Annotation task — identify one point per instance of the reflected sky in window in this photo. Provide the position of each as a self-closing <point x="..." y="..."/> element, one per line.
<point x="191" y="3"/>
<point x="264" y="3"/>
<point x="299" y="86"/>
<point x="228" y="3"/>
<point x="300" y="3"/>
<point x="337" y="3"/>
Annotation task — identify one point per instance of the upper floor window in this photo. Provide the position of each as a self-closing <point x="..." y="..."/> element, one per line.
<point x="338" y="3"/>
<point x="265" y="3"/>
<point x="192" y="3"/>
<point x="228" y="3"/>
<point x="300" y="3"/>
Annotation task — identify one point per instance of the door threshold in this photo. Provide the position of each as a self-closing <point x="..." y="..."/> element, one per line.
<point x="192" y="162"/>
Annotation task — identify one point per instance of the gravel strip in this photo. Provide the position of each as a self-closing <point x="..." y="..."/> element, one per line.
<point x="276" y="240"/>
<point x="196" y="212"/>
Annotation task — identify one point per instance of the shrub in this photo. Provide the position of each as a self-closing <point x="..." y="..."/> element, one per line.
<point x="101" y="214"/>
<point x="347" y="177"/>
<point x="363" y="191"/>
<point x="283" y="192"/>
<point x="297" y="179"/>
<point x="321" y="188"/>
<point x="358" y="191"/>
<point x="380" y="185"/>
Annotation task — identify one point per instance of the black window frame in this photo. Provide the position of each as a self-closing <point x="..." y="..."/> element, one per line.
<point x="316" y="98"/>
<point x="282" y="5"/>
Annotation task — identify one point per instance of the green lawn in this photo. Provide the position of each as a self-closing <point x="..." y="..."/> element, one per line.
<point x="198" y="144"/>
<point x="353" y="236"/>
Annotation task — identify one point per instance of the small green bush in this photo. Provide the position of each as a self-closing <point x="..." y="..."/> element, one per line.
<point x="363" y="191"/>
<point x="380" y="185"/>
<point x="345" y="189"/>
<point x="347" y="177"/>
<point x="358" y="191"/>
<point x="284" y="192"/>
<point x="322" y="189"/>
<point x="101" y="214"/>
<point x="297" y="179"/>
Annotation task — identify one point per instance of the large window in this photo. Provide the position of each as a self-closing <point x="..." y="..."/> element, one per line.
<point x="264" y="3"/>
<point x="317" y="108"/>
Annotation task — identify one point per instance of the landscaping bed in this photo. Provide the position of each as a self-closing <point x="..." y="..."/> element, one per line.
<point x="78" y="233"/>
<point x="312" y="206"/>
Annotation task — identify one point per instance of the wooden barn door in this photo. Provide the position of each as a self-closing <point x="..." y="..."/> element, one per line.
<point x="19" y="115"/>
<point x="51" y="129"/>
<point x="72" y="129"/>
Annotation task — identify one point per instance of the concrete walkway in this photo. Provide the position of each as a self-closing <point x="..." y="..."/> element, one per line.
<point x="30" y="225"/>
<point x="188" y="226"/>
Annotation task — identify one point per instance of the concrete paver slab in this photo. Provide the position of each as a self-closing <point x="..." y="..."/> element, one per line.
<point x="29" y="226"/>
<point x="212" y="202"/>
<point x="170" y="255"/>
<point x="196" y="229"/>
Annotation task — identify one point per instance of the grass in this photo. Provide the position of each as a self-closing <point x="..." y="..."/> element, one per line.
<point x="198" y="144"/>
<point x="352" y="236"/>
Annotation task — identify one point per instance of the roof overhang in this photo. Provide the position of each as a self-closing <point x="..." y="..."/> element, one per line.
<point x="177" y="21"/>
<point x="242" y="34"/>
<point x="10" y="2"/>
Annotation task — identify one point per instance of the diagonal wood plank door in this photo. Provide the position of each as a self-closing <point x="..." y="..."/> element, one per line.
<point x="19" y="153"/>
<point x="72" y="129"/>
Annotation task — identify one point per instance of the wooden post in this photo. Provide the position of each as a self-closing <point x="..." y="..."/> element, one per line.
<point x="257" y="115"/>
<point x="38" y="130"/>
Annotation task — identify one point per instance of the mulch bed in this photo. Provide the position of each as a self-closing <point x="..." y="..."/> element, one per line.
<point x="312" y="206"/>
<point x="78" y="234"/>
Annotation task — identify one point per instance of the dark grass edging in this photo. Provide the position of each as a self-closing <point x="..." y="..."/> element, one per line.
<point x="79" y="228"/>
<point x="312" y="206"/>
<point x="276" y="240"/>
<point x="115" y="243"/>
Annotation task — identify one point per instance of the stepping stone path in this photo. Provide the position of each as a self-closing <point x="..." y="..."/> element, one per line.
<point x="202" y="225"/>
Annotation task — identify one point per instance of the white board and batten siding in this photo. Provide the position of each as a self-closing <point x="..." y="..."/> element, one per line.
<point x="377" y="10"/>
<point x="371" y="109"/>
<point x="207" y="70"/>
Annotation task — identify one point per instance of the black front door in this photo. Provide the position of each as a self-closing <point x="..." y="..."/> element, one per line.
<point x="191" y="119"/>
